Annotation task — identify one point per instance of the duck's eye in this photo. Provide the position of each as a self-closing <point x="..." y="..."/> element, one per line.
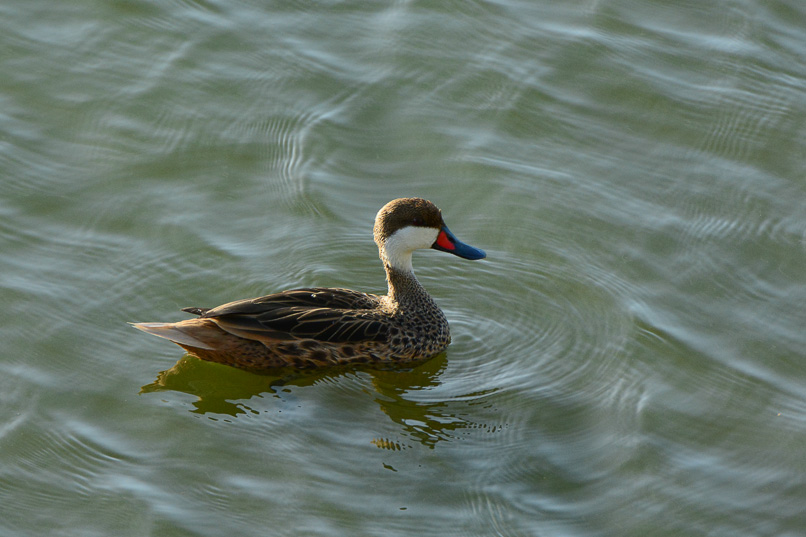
<point x="417" y="221"/>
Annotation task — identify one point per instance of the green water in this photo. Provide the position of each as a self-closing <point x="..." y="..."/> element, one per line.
<point x="628" y="360"/>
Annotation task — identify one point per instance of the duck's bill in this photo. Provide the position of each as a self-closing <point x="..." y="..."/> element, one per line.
<point x="447" y="242"/>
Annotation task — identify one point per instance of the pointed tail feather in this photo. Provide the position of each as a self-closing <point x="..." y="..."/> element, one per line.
<point x="170" y="332"/>
<point x="196" y="311"/>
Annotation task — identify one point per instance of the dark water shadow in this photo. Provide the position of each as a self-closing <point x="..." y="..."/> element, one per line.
<point x="223" y="390"/>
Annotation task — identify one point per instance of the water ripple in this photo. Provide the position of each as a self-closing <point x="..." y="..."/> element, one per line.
<point x="627" y="358"/>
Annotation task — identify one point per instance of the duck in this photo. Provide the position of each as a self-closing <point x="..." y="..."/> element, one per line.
<point x="316" y="327"/>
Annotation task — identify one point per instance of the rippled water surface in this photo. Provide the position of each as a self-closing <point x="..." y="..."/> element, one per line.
<point x="628" y="361"/>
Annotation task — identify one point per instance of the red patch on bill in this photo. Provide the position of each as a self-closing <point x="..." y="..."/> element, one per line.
<point x="444" y="241"/>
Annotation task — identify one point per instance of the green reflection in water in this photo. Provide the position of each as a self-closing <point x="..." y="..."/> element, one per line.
<point x="223" y="390"/>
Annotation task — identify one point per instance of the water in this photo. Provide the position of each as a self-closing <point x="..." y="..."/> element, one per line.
<point x="627" y="361"/>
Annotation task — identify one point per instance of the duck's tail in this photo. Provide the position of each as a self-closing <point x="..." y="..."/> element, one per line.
<point x="172" y="332"/>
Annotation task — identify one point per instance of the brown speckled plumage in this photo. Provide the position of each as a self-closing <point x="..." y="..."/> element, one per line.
<point x="319" y="327"/>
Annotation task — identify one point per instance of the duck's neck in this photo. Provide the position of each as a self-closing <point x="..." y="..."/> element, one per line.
<point x="404" y="290"/>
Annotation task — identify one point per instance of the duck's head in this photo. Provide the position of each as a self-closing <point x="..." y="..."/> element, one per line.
<point x="407" y="224"/>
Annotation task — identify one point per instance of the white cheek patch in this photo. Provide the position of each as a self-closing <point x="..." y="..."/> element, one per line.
<point x="399" y="246"/>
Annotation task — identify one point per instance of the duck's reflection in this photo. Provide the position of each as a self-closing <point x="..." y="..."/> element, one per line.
<point x="226" y="391"/>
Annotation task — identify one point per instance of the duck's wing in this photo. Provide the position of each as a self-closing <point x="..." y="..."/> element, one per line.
<point x="309" y="297"/>
<point x="322" y="314"/>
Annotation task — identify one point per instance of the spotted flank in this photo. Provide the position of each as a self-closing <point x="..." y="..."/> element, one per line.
<point x="320" y="327"/>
